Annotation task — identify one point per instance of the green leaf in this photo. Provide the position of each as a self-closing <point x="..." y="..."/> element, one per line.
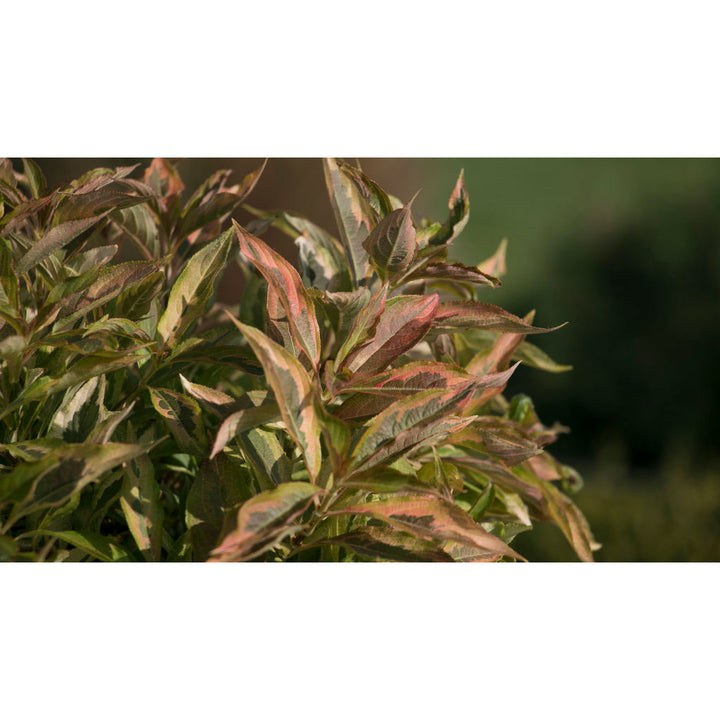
<point x="459" y="206"/>
<point x="219" y="488"/>
<point x="286" y="285"/>
<point x="183" y="417"/>
<point x="35" y="178"/>
<point x="94" y="544"/>
<point x="533" y="356"/>
<point x="141" y="505"/>
<point x="434" y="519"/>
<point x="242" y="421"/>
<point x="262" y="519"/>
<point x="81" y="410"/>
<point x="213" y="399"/>
<point x="294" y="392"/>
<point x="194" y="288"/>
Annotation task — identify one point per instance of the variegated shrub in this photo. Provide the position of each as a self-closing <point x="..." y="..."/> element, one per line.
<point x="350" y="410"/>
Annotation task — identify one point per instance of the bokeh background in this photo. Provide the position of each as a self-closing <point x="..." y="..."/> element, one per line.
<point x="627" y="251"/>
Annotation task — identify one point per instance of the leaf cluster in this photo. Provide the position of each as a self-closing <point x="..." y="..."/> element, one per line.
<point x="351" y="409"/>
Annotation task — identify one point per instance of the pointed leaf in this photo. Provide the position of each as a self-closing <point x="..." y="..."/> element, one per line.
<point x="434" y="519"/>
<point x="392" y="245"/>
<point x="194" y="288"/>
<point x="263" y="518"/>
<point x="183" y="417"/>
<point x="456" y="316"/>
<point x="293" y="391"/>
<point x="387" y="544"/>
<point x="285" y="282"/>
<point x="242" y="421"/>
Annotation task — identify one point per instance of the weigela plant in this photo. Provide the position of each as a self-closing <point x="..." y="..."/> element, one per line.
<point x="351" y="410"/>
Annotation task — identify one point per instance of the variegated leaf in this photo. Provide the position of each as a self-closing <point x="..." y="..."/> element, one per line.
<point x="262" y="519"/>
<point x="293" y="391"/>
<point x="285" y="282"/>
<point x="183" y="417"/>
<point x="432" y="518"/>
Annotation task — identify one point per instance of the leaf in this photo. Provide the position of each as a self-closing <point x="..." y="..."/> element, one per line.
<point x="92" y="543"/>
<point x="387" y="544"/>
<point x="55" y="239"/>
<point x="404" y="322"/>
<point x="35" y="178"/>
<point x="213" y="399"/>
<point x="262" y="519"/>
<point x="392" y="245"/>
<point x="456" y="316"/>
<point x="242" y="421"/>
<point x="354" y="214"/>
<point x="219" y="488"/>
<point x="80" y="411"/>
<point x="265" y="455"/>
<point x="502" y="439"/>
<point x="434" y="519"/>
<point x="387" y="480"/>
<point x="459" y="206"/>
<point x="533" y="356"/>
<point x="193" y="289"/>
<point x="496" y="264"/>
<point x="456" y="272"/>
<point x="142" y="507"/>
<point x="294" y="394"/>
<point x="61" y="473"/>
<point x="386" y="430"/>
<point x="375" y="393"/>
<point x="287" y="286"/>
<point x="367" y="315"/>
<point x="183" y="417"/>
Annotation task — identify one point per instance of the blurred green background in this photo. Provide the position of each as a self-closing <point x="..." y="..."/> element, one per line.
<point x="627" y="251"/>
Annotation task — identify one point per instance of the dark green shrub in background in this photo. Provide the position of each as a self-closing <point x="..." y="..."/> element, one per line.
<point x="350" y="411"/>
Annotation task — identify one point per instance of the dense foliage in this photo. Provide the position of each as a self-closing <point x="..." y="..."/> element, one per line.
<point x="352" y="410"/>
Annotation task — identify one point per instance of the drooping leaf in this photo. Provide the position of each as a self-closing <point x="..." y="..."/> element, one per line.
<point x="287" y="286"/>
<point x="433" y="518"/>
<point x="242" y="421"/>
<point x="293" y="391"/>
<point x="453" y="271"/>
<point x="533" y="356"/>
<point x="262" y="519"/>
<point x="193" y="289"/>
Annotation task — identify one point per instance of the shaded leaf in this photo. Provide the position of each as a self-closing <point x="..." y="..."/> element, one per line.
<point x="94" y="544"/>
<point x="455" y="316"/>
<point x="183" y="417"/>
<point x="392" y="245"/>
<point x="387" y="544"/>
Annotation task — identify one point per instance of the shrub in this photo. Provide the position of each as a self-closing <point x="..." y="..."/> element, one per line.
<point x="349" y="411"/>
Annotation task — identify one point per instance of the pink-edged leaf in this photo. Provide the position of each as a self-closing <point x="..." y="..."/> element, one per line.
<point x="263" y="519"/>
<point x="496" y="264"/>
<point x="389" y="433"/>
<point x="183" y="417"/>
<point x="375" y="393"/>
<point x="366" y="313"/>
<point x="434" y="519"/>
<point x="498" y="437"/>
<point x="287" y="286"/>
<point x="211" y="398"/>
<point x="391" y="244"/>
<point x="457" y="316"/>
<point x="358" y="205"/>
<point x="456" y="272"/>
<point x="404" y="323"/>
<point x="294" y="392"/>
